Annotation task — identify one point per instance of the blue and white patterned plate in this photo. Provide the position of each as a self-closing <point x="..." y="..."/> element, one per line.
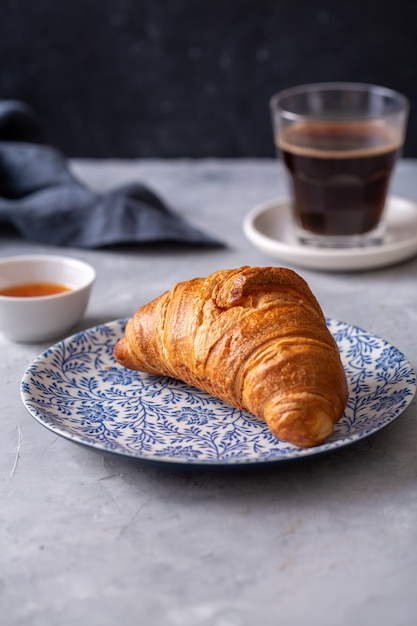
<point x="77" y="390"/>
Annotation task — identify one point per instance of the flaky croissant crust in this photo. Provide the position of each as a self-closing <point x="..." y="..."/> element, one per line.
<point x="253" y="337"/>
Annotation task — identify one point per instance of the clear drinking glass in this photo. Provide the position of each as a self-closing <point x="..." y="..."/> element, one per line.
<point x="339" y="143"/>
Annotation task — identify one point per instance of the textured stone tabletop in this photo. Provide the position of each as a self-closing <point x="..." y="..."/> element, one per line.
<point x="88" y="538"/>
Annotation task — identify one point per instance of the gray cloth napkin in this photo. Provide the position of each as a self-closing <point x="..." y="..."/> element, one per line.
<point x="45" y="203"/>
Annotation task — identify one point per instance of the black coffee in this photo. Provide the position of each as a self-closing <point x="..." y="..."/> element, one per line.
<point x="339" y="173"/>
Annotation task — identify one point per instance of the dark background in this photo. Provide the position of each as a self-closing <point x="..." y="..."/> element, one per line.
<point x="184" y="78"/>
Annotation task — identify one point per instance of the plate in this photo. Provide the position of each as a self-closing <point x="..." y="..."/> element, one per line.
<point x="268" y="227"/>
<point x="77" y="390"/>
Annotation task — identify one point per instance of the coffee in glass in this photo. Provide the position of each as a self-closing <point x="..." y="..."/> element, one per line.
<point x="339" y="143"/>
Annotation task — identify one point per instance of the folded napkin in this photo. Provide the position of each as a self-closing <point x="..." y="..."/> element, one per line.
<point x="43" y="200"/>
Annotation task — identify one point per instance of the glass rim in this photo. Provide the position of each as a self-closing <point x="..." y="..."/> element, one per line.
<point x="403" y="104"/>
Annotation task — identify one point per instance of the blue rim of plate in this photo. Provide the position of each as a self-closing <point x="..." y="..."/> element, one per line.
<point x="77" y="390"/>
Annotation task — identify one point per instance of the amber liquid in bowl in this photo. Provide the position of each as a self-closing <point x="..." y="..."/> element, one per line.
<point x="34" y="290"/>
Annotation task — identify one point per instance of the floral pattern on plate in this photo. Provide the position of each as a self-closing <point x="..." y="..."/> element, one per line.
<point x="77" y="390"/>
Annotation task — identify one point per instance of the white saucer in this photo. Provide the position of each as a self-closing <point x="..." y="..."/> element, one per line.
<point x="268" y="227"/>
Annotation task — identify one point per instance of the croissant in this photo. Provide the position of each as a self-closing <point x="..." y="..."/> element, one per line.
<point x="254" y="337"/>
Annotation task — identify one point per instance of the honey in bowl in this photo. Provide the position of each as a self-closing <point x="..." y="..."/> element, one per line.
<point x="34" y="290"/>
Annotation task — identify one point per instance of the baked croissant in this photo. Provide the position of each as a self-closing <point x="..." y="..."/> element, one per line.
<point x="254" y="337"/>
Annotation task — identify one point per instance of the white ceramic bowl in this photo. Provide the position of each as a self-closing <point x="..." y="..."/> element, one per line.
<point x="42" y="318"/>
